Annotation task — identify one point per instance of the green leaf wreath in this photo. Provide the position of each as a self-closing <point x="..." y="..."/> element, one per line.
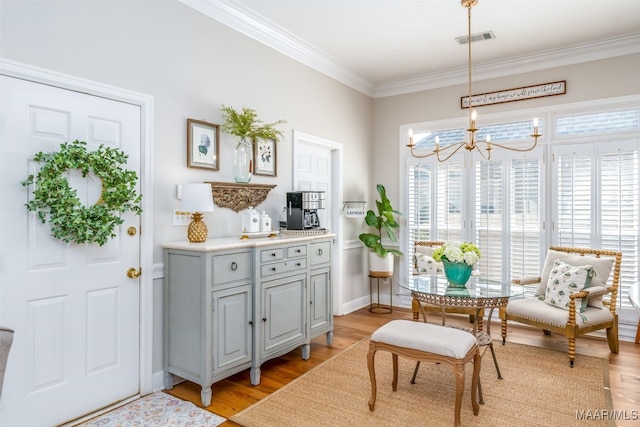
<point x="55" y="201"/>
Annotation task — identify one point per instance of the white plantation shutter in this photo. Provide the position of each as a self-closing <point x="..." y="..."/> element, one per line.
<point x="419" y="213"/>
<point x="489" y="217"/>
<point x="619" y="210"/>
<point x="574" y="203"/>
<point x="525" y="198"/>
<point x="597" y="202"/>
<point x="448" y="191"/>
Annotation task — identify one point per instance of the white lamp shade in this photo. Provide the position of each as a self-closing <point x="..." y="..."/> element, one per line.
<point x="197" y="198"/>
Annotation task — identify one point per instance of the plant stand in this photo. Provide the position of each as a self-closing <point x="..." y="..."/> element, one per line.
<point x="377" y="307"/>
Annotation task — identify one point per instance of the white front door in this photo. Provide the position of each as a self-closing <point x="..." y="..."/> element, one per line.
<point x="75" y="313"/>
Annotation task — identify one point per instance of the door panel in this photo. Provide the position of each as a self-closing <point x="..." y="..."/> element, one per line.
<point x="75" y="313"/>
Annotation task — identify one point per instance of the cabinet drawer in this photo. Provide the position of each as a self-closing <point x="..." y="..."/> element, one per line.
<point x="271" y="255"/>
<point x="297" y="251"/>
<point x="283" y="267"/>
<point x="231" y="267"/>
<point x="320" y="253"/>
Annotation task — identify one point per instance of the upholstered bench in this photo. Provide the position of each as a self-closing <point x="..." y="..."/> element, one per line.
<point x="424" y="342"/>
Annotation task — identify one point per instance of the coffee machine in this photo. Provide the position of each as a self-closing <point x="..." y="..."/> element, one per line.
<point x="302" y="209"/>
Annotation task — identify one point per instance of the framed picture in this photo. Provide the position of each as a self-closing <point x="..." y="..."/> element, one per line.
<point x="264" y="157"/>
<point x="203" y="145"/>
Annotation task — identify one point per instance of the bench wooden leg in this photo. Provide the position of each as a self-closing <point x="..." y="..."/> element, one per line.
<point x="372" y="374"/>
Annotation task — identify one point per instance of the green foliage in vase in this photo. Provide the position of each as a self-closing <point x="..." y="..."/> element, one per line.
<point x="246" y="124"/>
<point x="383" y="220"/>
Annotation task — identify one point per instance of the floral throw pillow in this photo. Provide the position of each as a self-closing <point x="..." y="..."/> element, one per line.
<point x="564" y="280"/>
<point x="427" y="265"/>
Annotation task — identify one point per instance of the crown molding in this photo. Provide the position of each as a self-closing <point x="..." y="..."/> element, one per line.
<point x="255" y="26"/>
<point x="587" y="52"/>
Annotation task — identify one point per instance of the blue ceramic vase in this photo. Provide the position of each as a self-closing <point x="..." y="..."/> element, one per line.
<point x="457" y="273"/>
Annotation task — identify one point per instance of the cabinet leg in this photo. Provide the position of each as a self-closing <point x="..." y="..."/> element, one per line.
<point x="205" y="396"/>
<point x="329" y="337"/>
<point x="254" y="373"/>
<point x="168" y="380"/>
<point x="306" y="351"/>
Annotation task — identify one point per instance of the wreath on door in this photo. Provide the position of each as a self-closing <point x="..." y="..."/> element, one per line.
<point x="56" y="202"/>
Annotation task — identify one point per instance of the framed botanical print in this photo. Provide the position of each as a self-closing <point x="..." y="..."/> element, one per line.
<point x="203" y="145"/>
<point x="264" y="157"/>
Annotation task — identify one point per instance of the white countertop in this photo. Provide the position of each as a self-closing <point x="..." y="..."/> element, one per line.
<point x="224" y="243"/>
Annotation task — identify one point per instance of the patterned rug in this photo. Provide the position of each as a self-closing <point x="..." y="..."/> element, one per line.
<point x="154" y="410"/>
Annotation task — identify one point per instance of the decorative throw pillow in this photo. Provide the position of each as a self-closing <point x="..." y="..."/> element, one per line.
<point x="602" y="266"/>
<point x="427" y="265"/>
<point x="564" y="280"/>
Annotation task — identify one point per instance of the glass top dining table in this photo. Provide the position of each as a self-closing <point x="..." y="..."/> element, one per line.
<point x="478" y="294"/>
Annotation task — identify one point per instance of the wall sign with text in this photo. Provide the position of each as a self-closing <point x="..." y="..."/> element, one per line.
<point x="518" y="94"/>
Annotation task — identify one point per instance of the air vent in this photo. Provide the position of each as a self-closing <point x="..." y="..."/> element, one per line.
<point x="487" y="35"/>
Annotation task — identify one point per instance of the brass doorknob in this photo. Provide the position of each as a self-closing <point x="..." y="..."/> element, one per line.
<point x="132" y="273"/>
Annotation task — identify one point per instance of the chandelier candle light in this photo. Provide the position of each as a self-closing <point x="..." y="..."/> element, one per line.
<point x="471" y="143"/>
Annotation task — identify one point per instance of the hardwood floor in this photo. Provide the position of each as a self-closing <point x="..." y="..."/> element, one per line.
<point x="236" y="393"/>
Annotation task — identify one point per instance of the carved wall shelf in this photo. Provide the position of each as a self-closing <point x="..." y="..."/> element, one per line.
<point x="238" y="197"/>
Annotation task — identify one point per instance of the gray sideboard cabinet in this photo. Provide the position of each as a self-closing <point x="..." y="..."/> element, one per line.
<point x="292" y="299"/>
<point x="230" y="305"/>
<point x="208" y="323"/>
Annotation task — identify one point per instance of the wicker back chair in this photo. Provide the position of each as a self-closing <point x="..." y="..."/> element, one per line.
<point x="578" y="318"/>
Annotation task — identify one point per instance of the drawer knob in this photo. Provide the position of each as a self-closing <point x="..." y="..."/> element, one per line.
<point x="251" y="322"/>
<point x="298" y="250"/>
<point x="264" y="319"/>
<point x="273" y="254"/>
<point x="298" y="264"/>
<point x="273" y="269"/>
<point x="319" y="251"/>
<point x="234" y="266"/>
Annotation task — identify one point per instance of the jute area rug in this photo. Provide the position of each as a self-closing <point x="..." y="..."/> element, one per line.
<point x="155" y="410"/>
<point x="539" y="389"/>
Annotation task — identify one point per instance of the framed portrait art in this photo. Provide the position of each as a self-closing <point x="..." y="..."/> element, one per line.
<point x="264" y="157"/>
<point x="203" y="145"/>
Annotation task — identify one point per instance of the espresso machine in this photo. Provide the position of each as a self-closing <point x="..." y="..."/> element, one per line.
<point x="302" y="209"/>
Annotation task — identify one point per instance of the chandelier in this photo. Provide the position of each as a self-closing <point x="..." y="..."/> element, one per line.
<point x="444" y="153"/>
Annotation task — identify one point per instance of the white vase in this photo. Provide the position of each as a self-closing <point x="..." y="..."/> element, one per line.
<point x="380" y="265"/>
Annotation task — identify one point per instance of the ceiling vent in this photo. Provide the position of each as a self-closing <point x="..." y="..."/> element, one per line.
<point x="487" y="35"/>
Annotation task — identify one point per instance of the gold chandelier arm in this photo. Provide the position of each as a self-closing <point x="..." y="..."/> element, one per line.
<point x="488" y="150"/>
<point x="437" y="152"/>
<point x="457" y="146"/>
<point x="522" y="150"/>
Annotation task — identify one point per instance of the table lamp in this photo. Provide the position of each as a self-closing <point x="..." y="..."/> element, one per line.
<point x="197" y="198"/>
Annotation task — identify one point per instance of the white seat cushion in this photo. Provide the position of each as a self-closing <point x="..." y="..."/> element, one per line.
<point x="534" y="308"/>
<point x="426" y="337"/>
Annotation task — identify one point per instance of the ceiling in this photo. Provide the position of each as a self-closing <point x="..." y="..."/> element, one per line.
<point x="386" y="47"/>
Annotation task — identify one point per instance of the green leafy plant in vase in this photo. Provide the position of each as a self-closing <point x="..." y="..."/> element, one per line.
<point x="246" y="125"/>
<point x="458" y="259"/>
<point x="383" y="220"/>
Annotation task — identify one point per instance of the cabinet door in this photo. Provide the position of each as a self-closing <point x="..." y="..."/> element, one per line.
<point x="231" y="327"/>
<point x="320" y="312"/>
<point x="283" y="313"/>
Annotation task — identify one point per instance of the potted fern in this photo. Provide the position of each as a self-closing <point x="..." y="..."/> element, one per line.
<point x="381" y="257"/>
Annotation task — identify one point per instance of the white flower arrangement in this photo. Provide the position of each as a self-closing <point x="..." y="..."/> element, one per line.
<point x="458" y="252"/>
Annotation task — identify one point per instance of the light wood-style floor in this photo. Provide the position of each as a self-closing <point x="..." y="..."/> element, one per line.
<point x="236" y="393"/>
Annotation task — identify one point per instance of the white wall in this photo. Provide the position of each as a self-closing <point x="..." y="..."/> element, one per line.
<point x="191" y="65"/>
